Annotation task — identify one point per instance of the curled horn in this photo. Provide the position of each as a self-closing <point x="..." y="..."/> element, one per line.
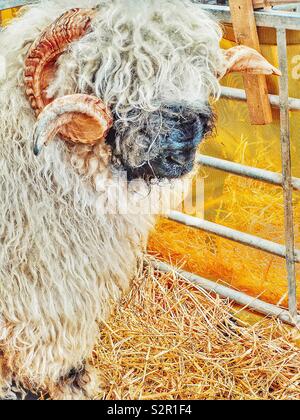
<point x="78" y="118"/>
<point x="247" y="60"/>
<point x="75" y="118"/>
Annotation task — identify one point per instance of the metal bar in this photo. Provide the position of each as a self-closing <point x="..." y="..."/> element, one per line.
<point x="232" y="234"/>
<point x="288" y="6"/>
<point x="240" y="95"/>
<point x="267" y="19"/>
<point x="263" y="175"/>
<point x="8" y="4"/>
<point x="287" y="170"/>
<point x="257" y="4"/>
<point x="228" y="293"/>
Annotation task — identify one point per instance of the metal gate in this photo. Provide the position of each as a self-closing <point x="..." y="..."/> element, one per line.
<point x="281" y="21"/>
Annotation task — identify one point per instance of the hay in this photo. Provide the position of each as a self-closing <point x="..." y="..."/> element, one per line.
<point x="169" y="340"/>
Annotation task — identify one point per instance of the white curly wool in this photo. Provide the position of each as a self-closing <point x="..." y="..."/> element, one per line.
<point x="65" y="255"/>
<point x="2" y="68"/>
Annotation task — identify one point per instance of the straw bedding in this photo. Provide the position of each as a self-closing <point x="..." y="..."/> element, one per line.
<point x="169" y="340"/>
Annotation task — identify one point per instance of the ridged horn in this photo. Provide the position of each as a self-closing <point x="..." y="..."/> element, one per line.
<point x="76" y="118"/>
<point x="247" y="60"/>
<point x="82" y="118"/>
<point x="40" y="63"/>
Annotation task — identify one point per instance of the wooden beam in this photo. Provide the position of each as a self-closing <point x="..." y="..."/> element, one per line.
<point x="261" y="4"/>
<point x="245" y="31"/>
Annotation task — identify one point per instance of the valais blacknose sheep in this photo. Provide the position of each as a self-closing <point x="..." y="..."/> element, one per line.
<point x="92" y="100"/>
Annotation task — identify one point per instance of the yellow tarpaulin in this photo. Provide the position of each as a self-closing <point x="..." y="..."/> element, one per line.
<point x="7" y="15"/>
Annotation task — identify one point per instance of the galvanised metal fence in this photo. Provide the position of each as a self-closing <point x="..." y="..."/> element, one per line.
<point x="281" y="21"/>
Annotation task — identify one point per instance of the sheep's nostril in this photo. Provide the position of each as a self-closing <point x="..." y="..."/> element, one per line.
<point x="180" y="160"/>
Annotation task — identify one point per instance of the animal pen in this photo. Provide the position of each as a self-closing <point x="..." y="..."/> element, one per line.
<point x="285" y="16"/>
<point x="182" y="334"/>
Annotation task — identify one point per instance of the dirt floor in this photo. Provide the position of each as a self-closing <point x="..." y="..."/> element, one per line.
<point x="169" y="340"/>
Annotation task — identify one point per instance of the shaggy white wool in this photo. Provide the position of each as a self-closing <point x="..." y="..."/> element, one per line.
<point x="138" y="57"/>
<point x="64" y="259"/>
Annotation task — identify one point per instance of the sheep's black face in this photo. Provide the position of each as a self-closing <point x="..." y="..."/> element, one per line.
<point x="161" y="144"/>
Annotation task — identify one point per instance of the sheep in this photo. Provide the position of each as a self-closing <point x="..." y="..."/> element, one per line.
<point x="121" y="98"/>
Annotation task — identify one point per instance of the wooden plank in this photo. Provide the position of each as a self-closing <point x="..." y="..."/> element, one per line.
<point x="255" y="85"/>
<point x="261" y="4"/>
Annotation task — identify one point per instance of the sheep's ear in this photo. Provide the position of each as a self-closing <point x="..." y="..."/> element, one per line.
<point x="247" y="60"/>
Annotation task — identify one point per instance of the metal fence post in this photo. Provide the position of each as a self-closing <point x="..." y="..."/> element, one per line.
<point x="287" y="171"/>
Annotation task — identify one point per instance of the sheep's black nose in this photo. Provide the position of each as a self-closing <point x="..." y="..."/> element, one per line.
<point x="164" y="145"/>
<point x="179" y="149"/>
